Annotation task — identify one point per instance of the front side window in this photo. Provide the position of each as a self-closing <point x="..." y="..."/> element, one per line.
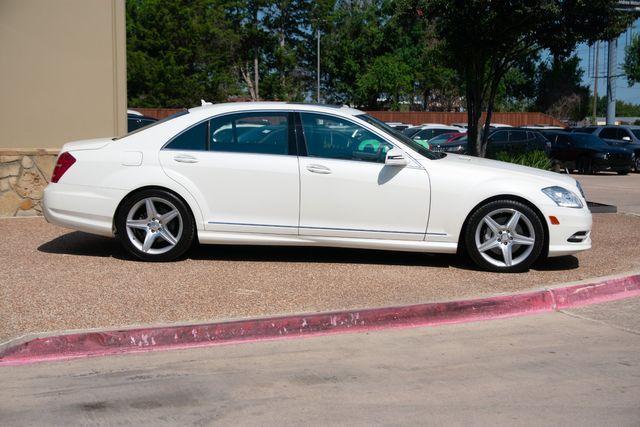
<point x="609" y="133"/>
<point x="337" y="138"/>
<point x="260" y="133"/>
<point x="500" y="136"/>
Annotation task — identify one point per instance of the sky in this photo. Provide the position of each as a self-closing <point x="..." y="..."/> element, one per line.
<point x="623" y="91"/>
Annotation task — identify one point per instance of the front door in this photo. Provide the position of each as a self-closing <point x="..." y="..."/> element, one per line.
<point x="346" y="190"/>
<point x="243" y="170"/>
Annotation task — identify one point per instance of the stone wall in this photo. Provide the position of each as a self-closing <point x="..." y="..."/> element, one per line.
<point x="23" y="176"/>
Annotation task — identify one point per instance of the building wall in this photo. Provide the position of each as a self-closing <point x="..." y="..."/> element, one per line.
<point x="62" y="78"/>
<point x="63" y="71"/>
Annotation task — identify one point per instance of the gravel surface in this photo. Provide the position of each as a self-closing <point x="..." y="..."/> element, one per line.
<point x="55" y="279"/>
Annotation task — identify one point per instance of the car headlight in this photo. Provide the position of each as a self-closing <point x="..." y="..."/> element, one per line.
<point x="584" y="196"/>
<point x="563" y="197"/>
<point x="455" y="148"/>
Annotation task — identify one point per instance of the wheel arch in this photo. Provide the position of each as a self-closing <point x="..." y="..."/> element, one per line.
<point x="154" y="187"/>
<point x="545" y="226"/>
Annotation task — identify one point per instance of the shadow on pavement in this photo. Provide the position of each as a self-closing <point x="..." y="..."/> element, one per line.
<point x="83" y="244"/>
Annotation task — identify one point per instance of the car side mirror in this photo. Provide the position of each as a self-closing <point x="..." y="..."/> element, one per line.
<point x="626" y="138"/>
<point x="396" y="157"/>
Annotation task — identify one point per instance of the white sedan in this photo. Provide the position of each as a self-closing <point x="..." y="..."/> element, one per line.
<point x="309" y="175"/>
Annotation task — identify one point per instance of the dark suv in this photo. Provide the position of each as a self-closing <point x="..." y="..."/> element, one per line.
<point x="588" y="154"/>
<point x="511" y="140"/>
<point x="621" y="136"/>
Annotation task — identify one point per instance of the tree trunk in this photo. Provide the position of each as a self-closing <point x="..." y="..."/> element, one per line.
<point x="256" y="76"/>
<point x="474" y="112"/>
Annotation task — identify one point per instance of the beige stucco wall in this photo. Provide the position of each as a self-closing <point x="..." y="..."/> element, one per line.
<point x="62" y="71"/>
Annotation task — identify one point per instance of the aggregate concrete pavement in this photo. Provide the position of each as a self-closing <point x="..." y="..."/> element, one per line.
<point x="622" y="191"/>
<point x="551" y="369"/>
<point x="55" y="279"/>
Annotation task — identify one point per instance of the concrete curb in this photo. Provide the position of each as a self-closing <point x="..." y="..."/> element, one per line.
<point x="85" y="344"/>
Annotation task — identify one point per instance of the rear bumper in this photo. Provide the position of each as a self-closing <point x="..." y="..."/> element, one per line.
<point x="87" y="209"/>
<point x="572" y="221"/>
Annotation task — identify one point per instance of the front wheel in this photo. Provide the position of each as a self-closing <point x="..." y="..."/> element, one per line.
<point x="585" y="166"/>
<point x="624" y="172"/>
<point x="155" y="225"/>
<point x="504" y="236"/>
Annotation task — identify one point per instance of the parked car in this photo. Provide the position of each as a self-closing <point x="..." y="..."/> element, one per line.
<point x="622" y="136"/>
<point x="446" y="137"/>
<point x="426" y="132"/>
<point x="317" y="176"/>
<point x="136" y="120"/>
<point x="511" y="140"/>
<point x="399" y="126"/>
<point x="588" y="153"/>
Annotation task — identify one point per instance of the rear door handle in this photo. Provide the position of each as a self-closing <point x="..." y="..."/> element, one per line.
<point x="184" y="158"/>
<point x="319" y="169"/>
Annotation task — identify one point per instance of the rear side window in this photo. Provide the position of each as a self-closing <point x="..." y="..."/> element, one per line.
<point x="194" y="138"/>
<point x="517" y="136"/>
<point x="500" y="136"/>
<point x="260" y="133"/>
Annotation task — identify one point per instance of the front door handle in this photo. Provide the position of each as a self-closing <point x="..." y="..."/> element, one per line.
<point x="319" y="169"/>
<point x="184" y="158"/>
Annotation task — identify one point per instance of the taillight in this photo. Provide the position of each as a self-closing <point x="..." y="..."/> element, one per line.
<point x="65" y="161"/>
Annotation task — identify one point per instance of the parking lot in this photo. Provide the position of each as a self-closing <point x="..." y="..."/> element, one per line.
<point x="55" y="279"/>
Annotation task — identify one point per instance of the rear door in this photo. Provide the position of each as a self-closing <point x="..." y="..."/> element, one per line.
<point x="243" y="170"/>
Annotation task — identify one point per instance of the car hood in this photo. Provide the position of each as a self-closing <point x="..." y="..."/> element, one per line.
<point x="86" y="144"/>
<point x="509" y="169"/>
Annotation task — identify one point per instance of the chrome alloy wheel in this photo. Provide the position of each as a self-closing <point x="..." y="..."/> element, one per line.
<point x="154" y="225"/>
<point x="505" y="237"/>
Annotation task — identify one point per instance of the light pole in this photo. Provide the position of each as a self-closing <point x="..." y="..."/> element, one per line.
<point x="318" y="62"/>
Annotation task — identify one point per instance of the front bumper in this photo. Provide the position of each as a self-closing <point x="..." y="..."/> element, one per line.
<point x="571" y="221"/>
<point x="83" y="208"/>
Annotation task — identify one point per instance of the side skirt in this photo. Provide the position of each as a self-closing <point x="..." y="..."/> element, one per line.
<point x="223" y="238"/>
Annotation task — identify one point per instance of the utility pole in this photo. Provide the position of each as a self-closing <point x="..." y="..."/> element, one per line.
<point x="611" y="81"/>
<point x="318" y="63"/>
<point x="595" y="85"/>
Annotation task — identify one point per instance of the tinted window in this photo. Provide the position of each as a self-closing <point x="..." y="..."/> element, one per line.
<point x="609" y="133"/>
<point x="636" y="132"/>
<point x="517" y="136"/>
<point x="584" y="140"/>
<point x="588" y="129"/>
<point x="336" y="138"/>
<point x="622" y="133"/>
<point x="194" y="138"/>
<point x="263" y="133"/>
<point x="500" y="136"/>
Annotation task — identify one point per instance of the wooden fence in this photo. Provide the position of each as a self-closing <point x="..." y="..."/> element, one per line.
<point x="415" y="117"/>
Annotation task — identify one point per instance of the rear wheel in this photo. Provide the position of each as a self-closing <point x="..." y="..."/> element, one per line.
<point x="585" y="166"/>
<point x="636" y="163"/>
<point x="155" y="225"/>
<point x="504" y="236"/>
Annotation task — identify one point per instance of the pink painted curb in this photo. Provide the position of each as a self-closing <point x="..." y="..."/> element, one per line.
<point x="85" y="344"/>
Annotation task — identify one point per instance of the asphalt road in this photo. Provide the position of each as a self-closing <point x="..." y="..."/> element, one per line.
<point x="613" y="189"/>
<point x="579" y="368"/>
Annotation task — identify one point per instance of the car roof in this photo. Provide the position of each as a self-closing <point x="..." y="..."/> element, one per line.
<point x="208" y="109"/>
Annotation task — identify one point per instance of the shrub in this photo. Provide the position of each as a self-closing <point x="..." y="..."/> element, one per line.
<point x="535" y="159"/>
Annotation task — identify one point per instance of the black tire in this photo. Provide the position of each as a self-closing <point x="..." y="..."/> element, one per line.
<point x="584" y="166"/>
<point x="636" y="162"/>
<point x="163" y="202"/>
<point x="624" y="172"/>
<point x="534" y="222"/>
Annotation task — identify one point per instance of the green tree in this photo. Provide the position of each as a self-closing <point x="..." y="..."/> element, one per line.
<point x="486" y="38"/>
<point x="178" y="52"/>
<point x="387" y="77"/>
<point x="631" y="64"/>
<point x="560" y="90"/>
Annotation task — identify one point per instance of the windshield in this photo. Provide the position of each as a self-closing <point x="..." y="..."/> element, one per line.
<point x="403" y="138"/>
<point x="636" y="132"/>
<point x="152" y="124"/>
<point x="588" y="139"/>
